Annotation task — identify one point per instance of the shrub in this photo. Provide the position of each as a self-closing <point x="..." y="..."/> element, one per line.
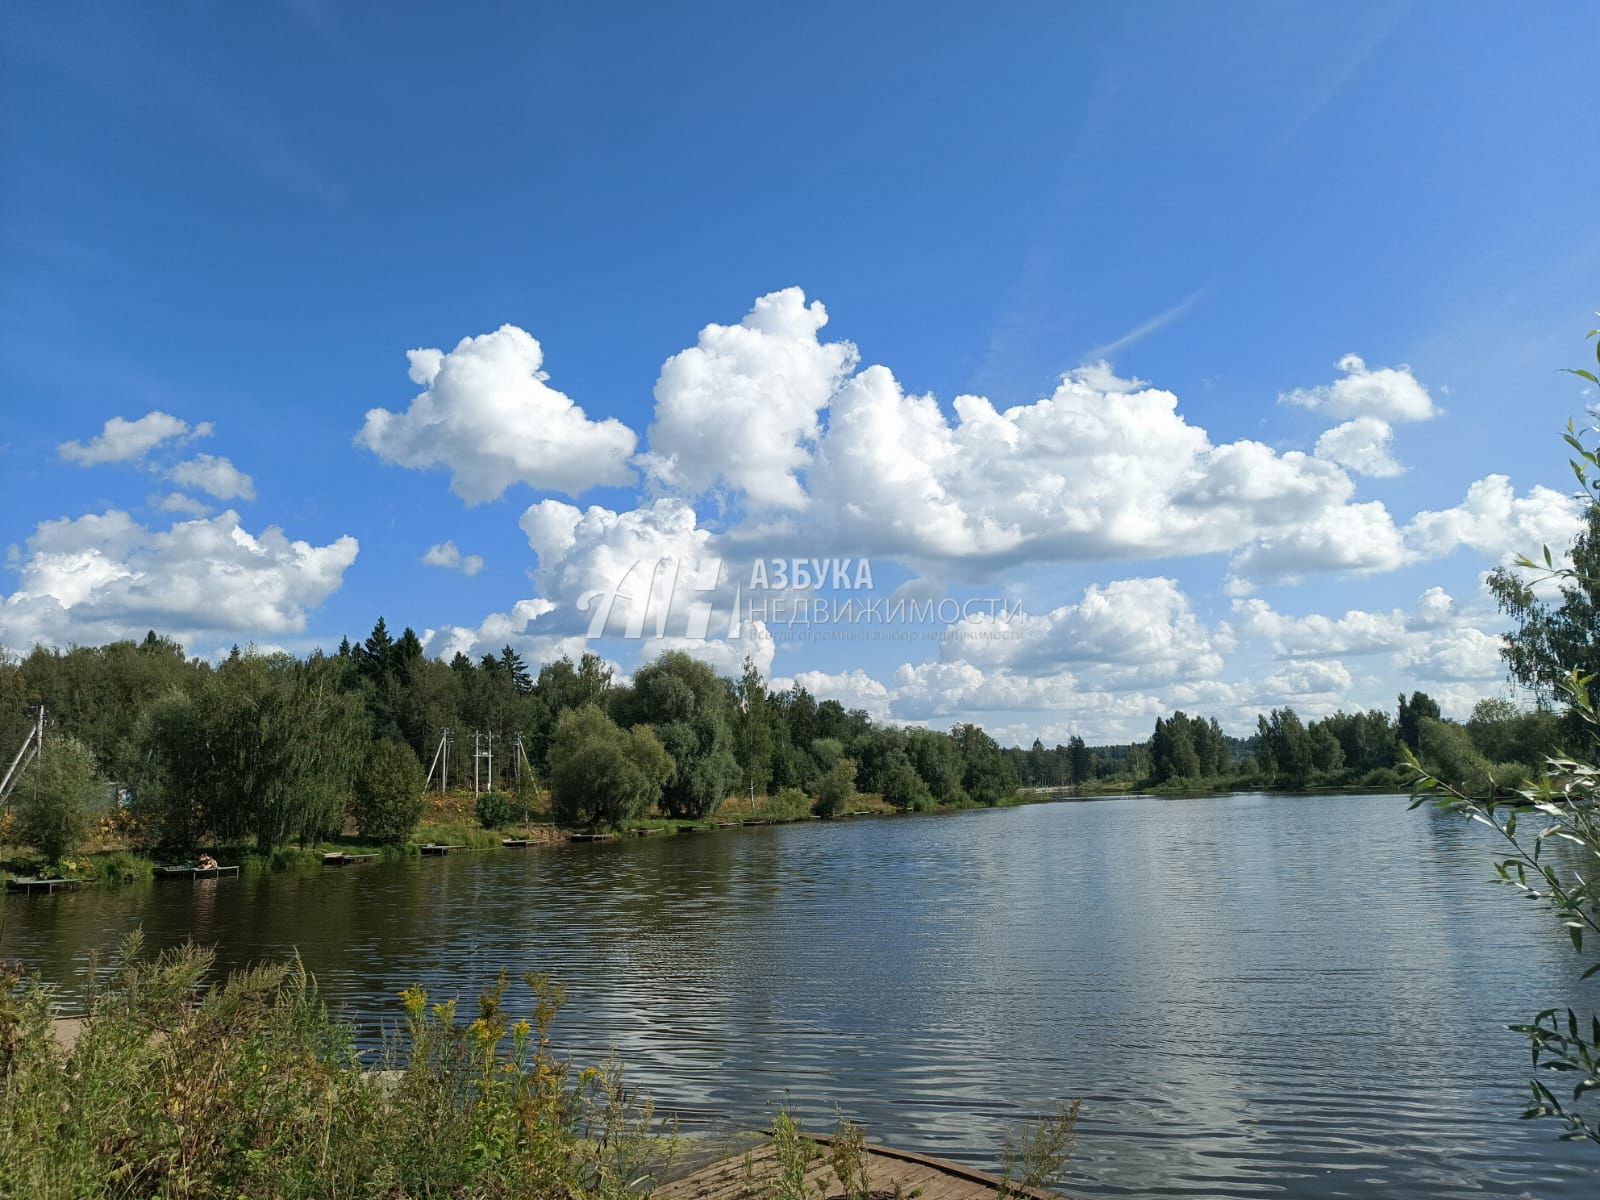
<point x="790" y="803"/>
<point x="54" y="800"/>
<point x="601" y="774"/>
<point x="496" y="810"/>
<point x="177" y="1086"/>
<point x="903" y="788"/>
<point x="388" y="799"/>
<point x="837" y="789"/>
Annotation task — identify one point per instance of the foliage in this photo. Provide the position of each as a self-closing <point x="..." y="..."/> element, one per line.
<point x="602" y="774"/>
<point x="987" y="775"/>
<point x="836" y="789"/>
<point x="1554" y="863"/>
<point x="1413" y="713"/>
<point x="847" y="1155"/>
<point x="690" y="711"/>
<point x="388" y="800"/>
<point x="268" y="747"/>
<point x="497" y="810"/>
<point x="1037" y="1154"/>
<point x="753" y="736"/>
<point x="181" y="1088"/>
<point x="55" y="800"/>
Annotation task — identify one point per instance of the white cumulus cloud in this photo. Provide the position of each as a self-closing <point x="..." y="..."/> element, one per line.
<point x="489" y="417"/>
<point x="1388" y="393"/>
<point x="448" y="556"/>
<point x="1362" y="446"/>
<point x="214" y="475"/>
<point x="100" y="577"/>
<point x="741" y="406"/>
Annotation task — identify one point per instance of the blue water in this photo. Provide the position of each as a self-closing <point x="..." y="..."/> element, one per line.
<point x="1254" y="995"/>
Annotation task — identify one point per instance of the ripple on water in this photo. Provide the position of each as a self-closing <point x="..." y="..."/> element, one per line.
<point x="1256" y="996"/>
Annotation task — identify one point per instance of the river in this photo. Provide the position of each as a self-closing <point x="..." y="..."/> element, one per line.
<point x="1255" y="995"/>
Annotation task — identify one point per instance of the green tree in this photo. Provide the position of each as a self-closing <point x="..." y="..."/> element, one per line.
<point x="836" y="789"/>
<point x="1080" y="760"/>
<point x="601" y="774"/>
<point x="1552" y="640"/>
<point x="753" y="729"/>
<point x="387" y="801"/>
<point x="937" y="760"/>
<point x="1413" y="712"/>
<point x="987" y="775"/>
<point x="57" y="797"/>
<point x="689" y="708"/>
<point x="1285" y="747"/>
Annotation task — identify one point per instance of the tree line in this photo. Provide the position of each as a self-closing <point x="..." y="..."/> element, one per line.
<point x="273" y="749"/>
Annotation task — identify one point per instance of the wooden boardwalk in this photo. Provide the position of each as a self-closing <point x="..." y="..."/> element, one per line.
<point x="335" y="858"/>
<point x="754" y="1176"/>
<point x="194" y="872"/>
<point x="43" y="885"/>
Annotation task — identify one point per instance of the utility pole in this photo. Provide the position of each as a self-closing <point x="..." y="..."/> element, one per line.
<point x="31" y="751"/>
<point x="482" y="749"/>
<point x="440" y="763"/>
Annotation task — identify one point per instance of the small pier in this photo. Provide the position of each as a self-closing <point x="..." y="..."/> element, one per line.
<point x="889" y="1172"/>
<point x="337" y="858"/>
<point x="44" y="886"/>
<point x="649" y="831"/>
<point x="438" y="849"/>
<point x="590" y="837"/>
<point x="515" y="843"/>
<point x="183" y="872"/>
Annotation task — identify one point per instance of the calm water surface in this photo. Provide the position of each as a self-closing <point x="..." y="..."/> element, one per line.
<point x="1255" y="995"/>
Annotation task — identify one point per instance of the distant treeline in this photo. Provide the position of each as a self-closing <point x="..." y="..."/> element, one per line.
<point x="1499" y="742"/>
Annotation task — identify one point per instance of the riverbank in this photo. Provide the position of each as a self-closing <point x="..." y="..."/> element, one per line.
<point x="114" y="863"/>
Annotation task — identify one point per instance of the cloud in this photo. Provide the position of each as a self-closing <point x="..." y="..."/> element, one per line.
<point x="1454" y="655"/>
<point x="854" y="689"/>
<point x="1128" y="633"/>
<point x="1497" y="523"/>
<point x="1357" y="539"/>
<point x="740" y="407"/>
<point x="1357" y="632"/>
<point x="102" y="577"/>
<point x="178" y="502"/>
<point x="1388" y="393"/>
<point x="129" y="441"/>
<point x="1309" y="679"/>
<point x="1362" y="446"/>
<point x="448" y="557"/>
<point x="1102" y="468"/>
<point x="215" y="475"/>
<point x="487" y="415"/>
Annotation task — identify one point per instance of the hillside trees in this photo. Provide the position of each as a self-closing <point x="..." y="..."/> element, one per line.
<point x="602" y="774"/>
<point x="690" y="711"/>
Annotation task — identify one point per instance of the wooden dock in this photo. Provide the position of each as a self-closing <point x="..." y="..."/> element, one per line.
<point x="438" y="850"/>
<point x="590" y="837"/>
<point x="44" y="886"/>
<point x="336" y="858"/>
<point x="515" y="843"/>
<point x="194" y="872"/>
<point x="890" y="1172"/>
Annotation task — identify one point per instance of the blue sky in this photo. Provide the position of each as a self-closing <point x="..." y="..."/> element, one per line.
<point x="247" y="218"/>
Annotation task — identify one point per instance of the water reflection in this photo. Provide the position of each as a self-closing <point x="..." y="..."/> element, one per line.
<point x="1252" y="1002"/>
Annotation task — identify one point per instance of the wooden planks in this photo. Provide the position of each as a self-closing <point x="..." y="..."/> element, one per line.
<point x="43" y="885"/>
<point x="754" y="1175"/>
